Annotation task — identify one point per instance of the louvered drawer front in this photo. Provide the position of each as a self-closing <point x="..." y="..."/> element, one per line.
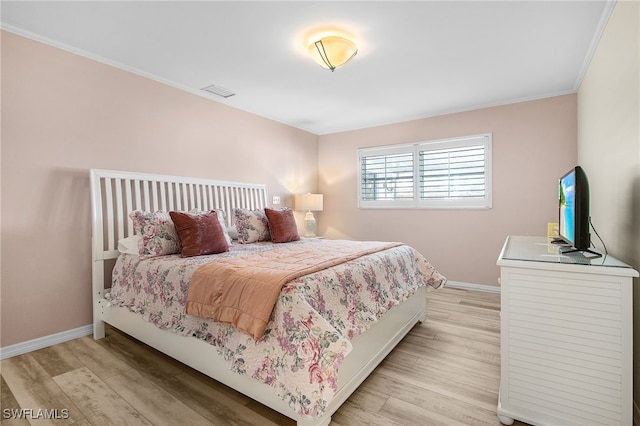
<point x="565" y="349"/>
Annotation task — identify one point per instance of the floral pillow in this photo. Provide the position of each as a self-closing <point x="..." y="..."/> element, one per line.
<point x="159" y="236"/>
<point x="252" y="226"/>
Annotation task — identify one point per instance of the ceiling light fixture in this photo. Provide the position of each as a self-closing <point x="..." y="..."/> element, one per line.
<point x="332" y="52"/>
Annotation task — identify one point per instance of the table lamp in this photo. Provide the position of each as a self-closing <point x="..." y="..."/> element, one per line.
<point x="309" y="203"/>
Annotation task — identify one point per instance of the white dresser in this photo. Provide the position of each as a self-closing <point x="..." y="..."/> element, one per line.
<point x="566" y="336"/>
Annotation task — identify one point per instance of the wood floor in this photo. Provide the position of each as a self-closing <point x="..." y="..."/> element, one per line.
<point x="445" y="372"/>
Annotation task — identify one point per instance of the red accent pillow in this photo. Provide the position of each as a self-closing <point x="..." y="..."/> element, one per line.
<point x="282" y="225"/>
<point x="199" y="233"/>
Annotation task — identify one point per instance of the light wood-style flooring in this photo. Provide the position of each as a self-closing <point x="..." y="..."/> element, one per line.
<point x="445" y="372"/>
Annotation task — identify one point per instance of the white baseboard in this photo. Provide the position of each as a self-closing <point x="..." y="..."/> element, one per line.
<point x="46" y="341"/>
<point x="475" y="287"/>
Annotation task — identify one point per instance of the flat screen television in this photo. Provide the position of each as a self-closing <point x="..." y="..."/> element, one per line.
<point x="573" y="220"/>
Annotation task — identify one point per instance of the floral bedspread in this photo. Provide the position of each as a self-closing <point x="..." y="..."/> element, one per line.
<point x="312" y="324"/>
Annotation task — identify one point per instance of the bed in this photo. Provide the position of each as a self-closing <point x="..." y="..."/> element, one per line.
<point x="312" y="354"/>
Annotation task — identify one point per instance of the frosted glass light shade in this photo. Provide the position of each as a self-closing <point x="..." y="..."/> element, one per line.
<point x="332" y="52"/>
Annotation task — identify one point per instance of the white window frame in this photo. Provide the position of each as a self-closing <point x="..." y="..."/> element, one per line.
<point x="483" y="203"/>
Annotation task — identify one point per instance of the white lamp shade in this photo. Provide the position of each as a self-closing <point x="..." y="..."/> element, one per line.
<point x="308" y="202"/>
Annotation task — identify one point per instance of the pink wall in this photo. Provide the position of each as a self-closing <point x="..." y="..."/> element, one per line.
<point x="63" y="114"/>
<point x="533" y="144"/>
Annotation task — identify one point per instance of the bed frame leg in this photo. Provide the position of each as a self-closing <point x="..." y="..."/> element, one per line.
<point x="98" y="330"/>
<point x="98" y="324"/>
<point x="97" y="287"/>
<point x="423" y="316"/>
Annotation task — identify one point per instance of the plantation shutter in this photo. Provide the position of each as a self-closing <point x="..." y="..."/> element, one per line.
<point x="450" y="173"/>
<point x="387" y="177"/>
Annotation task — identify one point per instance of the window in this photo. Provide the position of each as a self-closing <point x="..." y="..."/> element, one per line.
<point x="452" y="173"/>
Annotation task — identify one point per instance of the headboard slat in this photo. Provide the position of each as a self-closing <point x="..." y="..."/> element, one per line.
<point x="108" y="199"/>
<point x="190" y="200"/>
<point x="163" y="195"/>
<point x="179" y="188"/>
<point x="154" y="197"/>
<point x="226" y="199"/>
<point x="170" y="196"/>
<point x="120" y="219"/>
<point x="136" y="191"/>
<point x="145" y="195"/>
<point x="128" y="199"/>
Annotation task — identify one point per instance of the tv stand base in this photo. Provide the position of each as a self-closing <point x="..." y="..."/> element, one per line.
<point x="569" y="249"/>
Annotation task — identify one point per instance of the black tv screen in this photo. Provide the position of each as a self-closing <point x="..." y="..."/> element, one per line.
<point x="573" y="209"/>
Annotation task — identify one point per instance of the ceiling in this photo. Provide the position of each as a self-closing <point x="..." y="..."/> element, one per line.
<point x="416" y="59"/>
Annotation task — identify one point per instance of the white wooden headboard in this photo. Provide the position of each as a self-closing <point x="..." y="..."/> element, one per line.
<point x="116" y="193"/>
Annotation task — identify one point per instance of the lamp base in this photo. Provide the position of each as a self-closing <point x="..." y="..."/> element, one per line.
<point x="309" y="225"/>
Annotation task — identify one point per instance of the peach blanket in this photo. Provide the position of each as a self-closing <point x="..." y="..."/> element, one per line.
<point x="242" y="291"/>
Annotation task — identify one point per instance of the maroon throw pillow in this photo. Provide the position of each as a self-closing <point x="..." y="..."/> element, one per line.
<point x="199" y="233"/>
<point x="282" y="225"/>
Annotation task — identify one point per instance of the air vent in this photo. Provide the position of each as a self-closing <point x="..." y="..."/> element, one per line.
<point x="217" y="90"/>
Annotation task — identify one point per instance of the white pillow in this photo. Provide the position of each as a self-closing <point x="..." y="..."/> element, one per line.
<point x="130" y="245"/>
<point x="233" y="232"/>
